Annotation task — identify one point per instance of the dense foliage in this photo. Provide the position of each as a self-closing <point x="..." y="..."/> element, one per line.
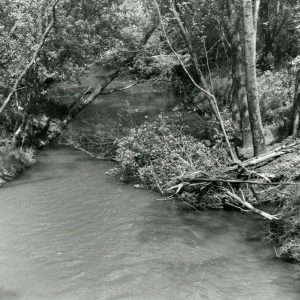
<point x="160" y="152"/>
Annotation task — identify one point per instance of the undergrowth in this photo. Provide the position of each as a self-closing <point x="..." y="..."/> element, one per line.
<point x="14" y="161"/>
<point x="286" y="232"/>
<point x="160" y="152"/>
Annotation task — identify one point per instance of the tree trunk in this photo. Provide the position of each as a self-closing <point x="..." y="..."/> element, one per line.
<point x="296" y="106"/>
<point x="200" y="78"/>
<point x="32" y="61"/>
<point x="267" y="34"/>
<point x="258" y="139"/>
<point x="86" y="100"/>
<point x="239" y="105"/>
<point x="239" y="96"/>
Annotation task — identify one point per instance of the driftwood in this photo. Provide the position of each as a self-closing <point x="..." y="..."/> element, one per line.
<point x="122" y="88"/>
<point x="267" y="157"/>
<point x="252" y="208"/>
<point x="233" y="196"/>
<point x="223" y="180"/>
<point x="196" y="181"/>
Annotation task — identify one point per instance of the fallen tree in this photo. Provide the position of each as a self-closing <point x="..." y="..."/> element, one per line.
<point x="88" y="96"/>
<point x="269" y="156"/>
<point x="251" y="208"/>
<point x="233" y="178"/>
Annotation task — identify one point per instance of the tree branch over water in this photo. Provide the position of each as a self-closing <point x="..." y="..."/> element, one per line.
<point x="205" y="89"/>
<point x="84" y="101"/>
<point x="123" y="88"/>
<point x="33" y="59"/>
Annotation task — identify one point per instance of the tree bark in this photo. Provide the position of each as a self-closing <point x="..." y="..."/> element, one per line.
<point x="296" y="106"/>
<point x="258" y="139"/>
<point x="240" y="113"/>
<point x="175" y="9"/>
<point x="239" y="93"/>
<point x="32" y="61"/>
<point x="252" y="208"/>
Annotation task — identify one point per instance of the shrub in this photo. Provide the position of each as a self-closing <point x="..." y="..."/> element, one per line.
<point x="276" y="93"/>
<point x="286" y="233"/>
<point x="14" y="161"/>
<point x="158" y="153"/>
<point x="275" y="90"/>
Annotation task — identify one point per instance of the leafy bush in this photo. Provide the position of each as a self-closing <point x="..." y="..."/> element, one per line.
<point x="14" y="161"/>
<point x="286" y="233"/>
<point x="276" y="93"/>
<point x="275" y="90"/>
<point x="222" y="86"/>
<point x="158" y="153"/>
<point x="155" y="66"/>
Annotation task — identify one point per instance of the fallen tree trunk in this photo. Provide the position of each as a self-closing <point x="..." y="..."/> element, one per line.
<point x="88" y="98"/>
<point x="223" y="180"/>
<point x="270" y="156"/>
<point x="215" y="187"/>
<point x="252" y="208"/>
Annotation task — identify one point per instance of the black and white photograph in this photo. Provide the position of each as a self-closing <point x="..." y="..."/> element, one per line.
<point x="149" y="149"/>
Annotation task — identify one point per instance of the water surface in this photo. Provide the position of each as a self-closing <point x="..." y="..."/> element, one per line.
<point x="68" y="231"/>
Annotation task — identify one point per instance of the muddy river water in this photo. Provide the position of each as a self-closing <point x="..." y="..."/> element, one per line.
<point x="68" y="231"/>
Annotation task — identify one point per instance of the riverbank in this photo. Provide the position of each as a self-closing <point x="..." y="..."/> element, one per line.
<point x="14" y="161"/>
<point x="159" y="152"/>
<point x="68" y="231"/>
<point x="161" y="155"/>
<point x="156" y="152"/>
<point x="167" y="160"/>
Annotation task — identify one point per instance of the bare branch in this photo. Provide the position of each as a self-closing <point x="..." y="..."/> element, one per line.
<point x="179" y="186"/>
<point x="80" y="105"/>
<point x="122" y="88"/>
<point x="252" y="208"/>
<point x="205" y="89"/>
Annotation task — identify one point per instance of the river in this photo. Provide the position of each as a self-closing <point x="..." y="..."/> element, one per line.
<point x="68" y="231"/>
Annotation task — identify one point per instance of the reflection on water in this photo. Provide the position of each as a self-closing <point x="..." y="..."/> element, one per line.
<point x="143" y="100"/>
<point x="70" y="232"/>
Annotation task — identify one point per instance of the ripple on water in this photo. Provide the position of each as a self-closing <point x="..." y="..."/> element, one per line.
<point x="70" y="232"/>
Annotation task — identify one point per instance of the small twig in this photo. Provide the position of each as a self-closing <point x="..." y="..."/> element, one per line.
<point x="237" y="207"/>
<point x="156" y="180"/>
<point x="250" y="172"/>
